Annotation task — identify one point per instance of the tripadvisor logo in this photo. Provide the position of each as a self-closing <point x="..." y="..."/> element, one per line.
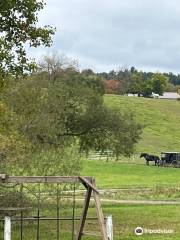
<point x="139" y="231"/>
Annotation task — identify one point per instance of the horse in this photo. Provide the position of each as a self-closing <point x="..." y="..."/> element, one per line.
<point x="149" y="158"/>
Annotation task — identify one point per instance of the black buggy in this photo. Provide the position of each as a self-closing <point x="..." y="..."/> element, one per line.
<point x="170" y="159"/>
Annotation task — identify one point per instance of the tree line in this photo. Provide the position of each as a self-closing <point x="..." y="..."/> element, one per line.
<point x="131" y="80"/>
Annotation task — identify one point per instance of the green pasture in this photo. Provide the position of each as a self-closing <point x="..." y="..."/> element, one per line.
<point x="124" y="175"/>
<point x="128" y="217"/>
<point x="125" y="219"/>
<point x="161" y="132"/>
<point x="160" y="118"/>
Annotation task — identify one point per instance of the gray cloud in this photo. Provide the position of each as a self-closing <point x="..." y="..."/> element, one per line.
<point x="105" y="34"/>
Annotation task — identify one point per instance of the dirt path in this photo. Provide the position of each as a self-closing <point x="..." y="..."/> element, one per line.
<point x="140" y="202"/>
<point x="146" y="202"/>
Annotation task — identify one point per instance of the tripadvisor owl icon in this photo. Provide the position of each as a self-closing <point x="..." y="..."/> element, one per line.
<point x="139" y="231"/>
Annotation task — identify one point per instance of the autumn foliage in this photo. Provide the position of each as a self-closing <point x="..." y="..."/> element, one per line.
<point x="112" y="86"/>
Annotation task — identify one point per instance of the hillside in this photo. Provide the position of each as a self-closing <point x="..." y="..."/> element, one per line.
<point x="161" y="119"/>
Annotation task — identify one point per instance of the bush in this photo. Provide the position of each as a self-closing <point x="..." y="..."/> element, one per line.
<point x="13" y="199"/>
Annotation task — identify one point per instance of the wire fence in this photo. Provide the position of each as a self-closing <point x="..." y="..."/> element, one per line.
<point x="43" y="211"/>
<point x="40" y="211"/>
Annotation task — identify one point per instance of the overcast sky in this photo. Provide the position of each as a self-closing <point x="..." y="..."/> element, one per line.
<point x="107" y="34"/>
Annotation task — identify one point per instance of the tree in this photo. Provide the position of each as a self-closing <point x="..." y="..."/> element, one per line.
<point x="112" y="75"/>
<point x="55" y="65"/>
<point x="147" y="88"/>
<point x="70" y="111"/>
<point x="123" y="76"/>
<point x="13" y="146"/>
<point x="133" y="70"/>
<point x="112" y="86"/>
<point x="88" y="72"/>
<point x="159" y="83"/>
<point x="137" y="83"/>
<point x="18" y="26"/>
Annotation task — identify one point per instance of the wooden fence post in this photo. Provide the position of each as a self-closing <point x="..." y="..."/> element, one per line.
<point x="100" y="216"/>
<point x="109" y="227"/>
<point x="84" y="213"/>
<point x="7" y="228"/>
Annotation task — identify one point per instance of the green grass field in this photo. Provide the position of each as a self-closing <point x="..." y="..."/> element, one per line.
<point x="128" y="217"/>
<point x="121" y="175"/>
<point x="161" y="119"/>
<point x="125" y="218"/>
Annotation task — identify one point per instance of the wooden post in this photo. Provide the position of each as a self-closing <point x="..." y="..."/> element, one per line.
<point x="100" y="216"/>
<point x="109" y="227"/>
<point x="84" y="213"/>
<point x="7" y="228"/>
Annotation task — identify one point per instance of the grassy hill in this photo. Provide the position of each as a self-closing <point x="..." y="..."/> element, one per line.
<point x="160" y="117"/>
<point x="161" y="133"/>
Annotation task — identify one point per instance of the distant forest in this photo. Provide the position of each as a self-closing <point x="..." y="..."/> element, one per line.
<point x="131" y="80"/>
